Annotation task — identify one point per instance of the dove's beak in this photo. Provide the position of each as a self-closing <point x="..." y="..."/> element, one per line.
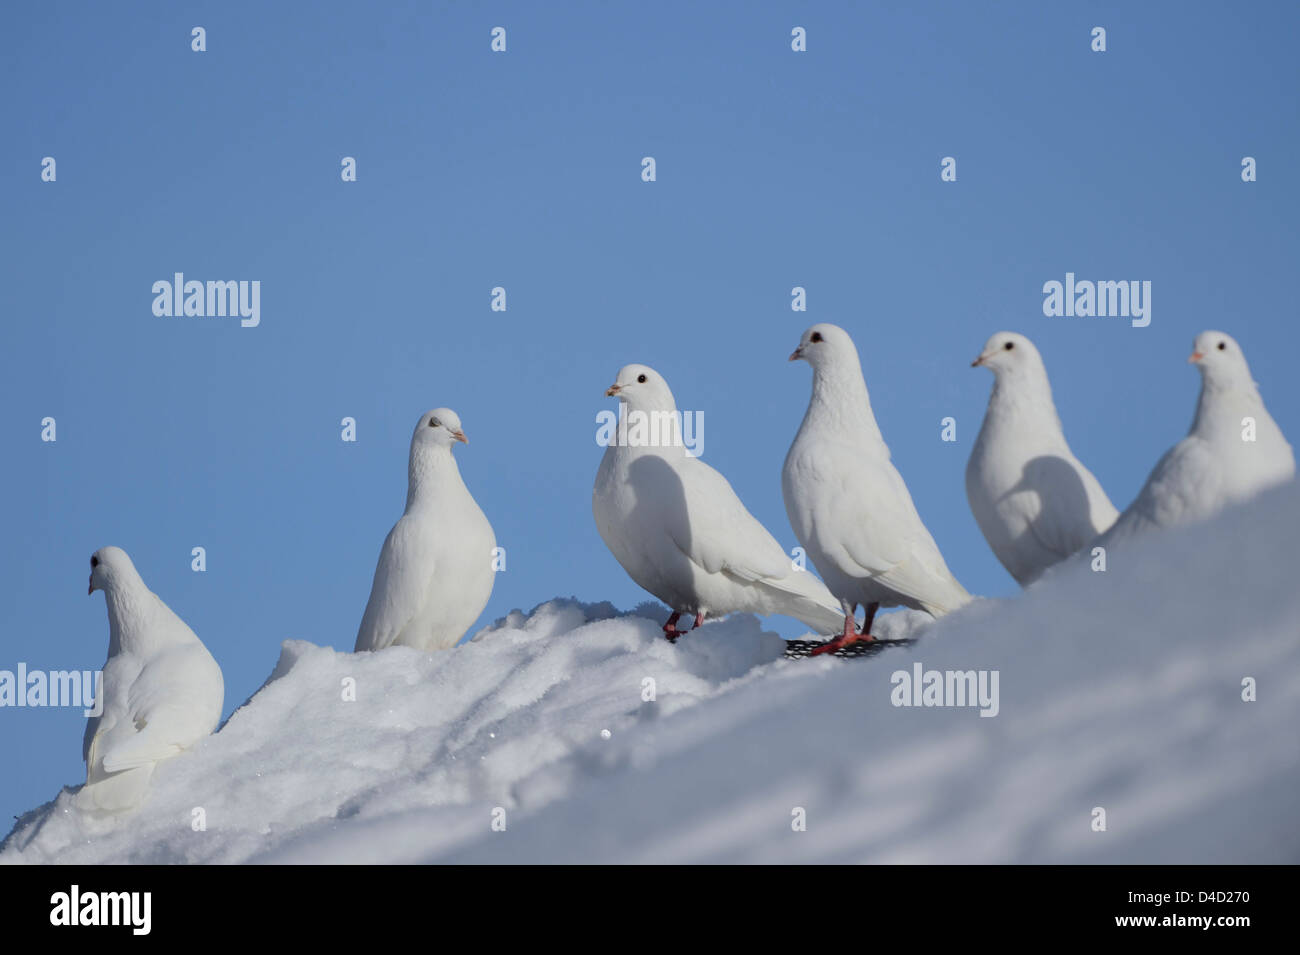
<point x="612" y="390"/>
<point x="90" y="587"/>
<point x="979" y="361"/>
<point x="460" y="436"/>
<point x="1194" y="357"/>
<point x="796" y="354"/>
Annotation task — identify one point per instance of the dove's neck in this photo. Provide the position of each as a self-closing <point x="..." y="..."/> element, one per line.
<point x="431" y="473"/>
<point x="644" y="429"/>
<point x="132" y="609"/>
<point x="840" y="400"/>
<point x="1223" y="403"/>
<point x="1025" y="400"/>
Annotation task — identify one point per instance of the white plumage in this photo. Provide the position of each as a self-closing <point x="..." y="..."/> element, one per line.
<point x="1034" y="501"/>
<point x="847" y="503"/>
<point x="161" y="692"/>
<point x="680" y="531"/>
<point x="1233" y="451"/>
<point x="435" y="571"/>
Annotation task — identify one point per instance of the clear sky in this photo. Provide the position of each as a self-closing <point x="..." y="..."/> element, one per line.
<point x="522" y="169"/>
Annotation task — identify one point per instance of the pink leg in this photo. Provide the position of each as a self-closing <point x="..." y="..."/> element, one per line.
<point x="851" y="634"/>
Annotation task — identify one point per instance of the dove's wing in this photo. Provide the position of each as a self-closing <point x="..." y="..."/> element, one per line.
<point x="113" y="700"/>
<point x="1184" y="486"/>
<point x="93" y="726"/>
<point x="717" y="533"/>
<point x="876" y="527"/>
<point x="173" y="703"/>
<point x="1053" y="533"/>
<point x="1056" y="521"/>
<point x="401" y="584"/>
<point x="151" y="743"/>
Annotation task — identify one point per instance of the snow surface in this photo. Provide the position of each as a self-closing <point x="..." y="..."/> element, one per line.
<point x="1119" y="690"/>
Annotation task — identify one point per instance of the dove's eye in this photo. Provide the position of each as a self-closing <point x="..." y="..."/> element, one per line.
<point x="640" y="379"/>
<point x="434" y="422"/>
<point x="1009" y="345"/>
<point x="94" y="561"/>
<point x="1223" y="346"/>
<point x="816" y="337"/>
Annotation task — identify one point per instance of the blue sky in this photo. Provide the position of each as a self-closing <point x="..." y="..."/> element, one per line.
<point x="522" y="170"/>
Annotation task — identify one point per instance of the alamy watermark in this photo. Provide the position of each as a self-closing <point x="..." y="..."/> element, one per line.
<point x="52" y="688"/>
<point x="651" y="429"/>
<point x="130" y="909"/>
<point x="922" y="687"/>
<point x="1087" y="299"/>
<point x="197" y="299"/>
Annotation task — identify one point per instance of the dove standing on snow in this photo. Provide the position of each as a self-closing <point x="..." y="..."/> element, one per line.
<point x="161" y="691"/>
<point x="847" y="503"/>
<point x="680" y="531"/>
<point x="1224" y="459"/>
<point x="1034" y="501"/>
<point x="435" y="572"/>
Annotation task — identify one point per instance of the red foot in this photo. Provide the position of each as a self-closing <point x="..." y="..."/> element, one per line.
<point x="671" y="632"/>
<point x="851" y="633"/>
<point x="843" y="641"/>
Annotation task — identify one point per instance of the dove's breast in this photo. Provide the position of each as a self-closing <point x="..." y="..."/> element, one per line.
<point x="462" y="546"/>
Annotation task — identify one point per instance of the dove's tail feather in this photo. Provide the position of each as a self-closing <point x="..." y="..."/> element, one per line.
<point x="116" y="792"/>
<point x="804" y="597"/>
<point x="821" y="619"/>
<point x="956" y="597"/>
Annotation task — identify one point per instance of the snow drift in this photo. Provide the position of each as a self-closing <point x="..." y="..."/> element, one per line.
<point x="1120" y="691"/>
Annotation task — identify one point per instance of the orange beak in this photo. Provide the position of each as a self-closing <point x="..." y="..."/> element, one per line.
<point x="612" y="390"/>
<point x="460" y="436"/>
<point x="1194" y="357"/>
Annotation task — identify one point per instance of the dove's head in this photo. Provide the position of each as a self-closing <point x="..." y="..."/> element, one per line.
<point x="110" y="568"/>
<point x="826" y="346"/>
<point x="1219" y="359"/>
<point x="438" y="428"/>
<point x="1008" y="353"/>
<point x="642" y="388"/>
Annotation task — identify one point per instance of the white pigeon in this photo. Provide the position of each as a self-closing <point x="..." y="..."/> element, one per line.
<point x="1233" y="451"/>
<point x="847" y="502"/>
<point x="436" y="570"/>
<point x="680" y="531"/>
<point x="161" y="690"/>
<point x="1033" y="500"/>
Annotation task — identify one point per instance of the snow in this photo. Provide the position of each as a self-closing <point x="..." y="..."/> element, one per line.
<point x="1120" y="690"/>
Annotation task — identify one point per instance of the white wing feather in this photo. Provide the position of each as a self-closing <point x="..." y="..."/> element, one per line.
<point x="401" y="584"/>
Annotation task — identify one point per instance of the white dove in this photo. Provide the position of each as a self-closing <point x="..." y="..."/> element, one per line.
<point x="435" y="572"/>
<point x="847" y="503"/>
<point x="680" y="531"/>
<point x="1033" y="500"/>
<point x="1233" y="451"/>
<point x="161" y="690"/>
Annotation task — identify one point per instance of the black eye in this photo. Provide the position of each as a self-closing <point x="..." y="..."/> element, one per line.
<point x="641" y="379"/>
<point x="1223" y="346"/>
<point x="433" y="422"/>
<point x="94" y="561"/>
<point x="816" y="337"/>
<point x="1009" y="345"/>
